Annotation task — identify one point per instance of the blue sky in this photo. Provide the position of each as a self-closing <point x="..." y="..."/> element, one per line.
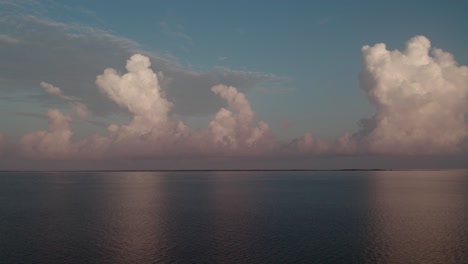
<point x="310" y="49"/>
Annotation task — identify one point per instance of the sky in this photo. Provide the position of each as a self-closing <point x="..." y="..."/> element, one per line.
<point x="233" y="84"/>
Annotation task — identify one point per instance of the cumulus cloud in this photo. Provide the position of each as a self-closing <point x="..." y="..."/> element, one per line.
<point x="150" y="130"/>
<point x="308" y="144"/>
<point x="57" y="142"/>
<point x="70" y="56"/>
<point x="54" y="143"/>
<point x="78" y="109"/>
<point x="421" y="99"/>
<point x="237" y="131"/>
<point x="153" y="132"/>
<point x="345" y="145"/>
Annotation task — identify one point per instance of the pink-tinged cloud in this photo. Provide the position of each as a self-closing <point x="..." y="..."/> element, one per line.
<point x="345" y="145"/>
<point x="57" y="142"/>
<point x="421" y="98"/>
<point x="236" y="131"/>
<point x="150" y="132"/>
<point x="80" y="110"/>
<point x="2" y="144"/>
<point x="308" y="144"/>
<point x="54" y="90"/>
<point x="52" y="144"/>
<point x="5" y="39"/>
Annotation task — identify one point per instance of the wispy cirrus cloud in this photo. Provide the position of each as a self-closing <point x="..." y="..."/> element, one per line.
<point x="54" y="90"/>
<point x="175" y="31"/>
<point x="8" y="39"/>
<point x="19" y="3"/>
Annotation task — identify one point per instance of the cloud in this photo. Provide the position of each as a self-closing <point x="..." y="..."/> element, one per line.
<point x="308" y="144"/>
<point x="29" y="114"/>
<point x="57" y="143"/>
<point x="77" y="109"/>
<point x="421" y="96"/>
<point x="54" y="90"/>
<point x="52" y="144"/>
<point x="421" y="99"/>
<point x="285" y="123"/>
<point x="2" y="144"/>
<point x="19" y="3"/>
<point x="237" y="131"/>
<point x="152" y="131"/>
<point x="175" y="31"/>
<point x="70" y="56"/>
<point x="80" y="110"/>
<point x="345" y="145"/>
<point x="8" y="40"/>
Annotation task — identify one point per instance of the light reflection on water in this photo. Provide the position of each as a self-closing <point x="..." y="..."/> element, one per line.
<point x="234" y="217"/>
<point x="419" y="216"/>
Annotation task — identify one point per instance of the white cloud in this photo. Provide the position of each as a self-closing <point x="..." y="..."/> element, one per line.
<point x="421" y="99"/>
<point x="150" y="131"/>
<point x="70" y="56"/>
<point x="237" y="131"/>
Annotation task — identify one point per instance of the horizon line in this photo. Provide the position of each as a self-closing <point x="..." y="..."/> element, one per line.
<point x="230" y="170"/>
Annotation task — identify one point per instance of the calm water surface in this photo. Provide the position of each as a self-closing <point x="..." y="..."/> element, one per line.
<point x="234" y="217"/>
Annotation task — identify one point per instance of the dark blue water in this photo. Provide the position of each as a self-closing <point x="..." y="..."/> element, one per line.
<point x="234" y="217"/>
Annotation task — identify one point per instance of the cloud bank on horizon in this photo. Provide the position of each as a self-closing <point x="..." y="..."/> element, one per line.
<point x="151" y="132"/>
<point x="420" y="97"/>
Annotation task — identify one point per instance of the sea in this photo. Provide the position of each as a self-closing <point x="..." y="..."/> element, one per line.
<point x="234" y="217"/>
